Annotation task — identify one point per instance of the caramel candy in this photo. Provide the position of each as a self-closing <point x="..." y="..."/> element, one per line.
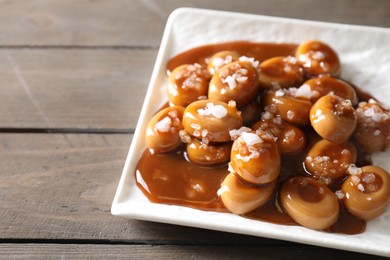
<point x="333" y="118"/>
<point x="187" y="83"/>
<point x="240" y="198"/>
<point x="373" y="126"/>
<point x="315" y="88"/>
<point x="367" y="191"/>
<point x="162" y="131"/>
<point x="220" y="59"/>
<point x="309" y="202"/>
<point x="208" y="154"/>
<point x="255" y="158"/>
<point x="318" y="58"/>
<point x="236" y="81"/>
<point x="291" y="109"/>
<point x="329" y="161"/>
<point x="280" y="72"/>
<point x="211" y="121"/>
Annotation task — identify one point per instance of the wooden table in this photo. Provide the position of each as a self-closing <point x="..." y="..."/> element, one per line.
<point x="73" y="75"/>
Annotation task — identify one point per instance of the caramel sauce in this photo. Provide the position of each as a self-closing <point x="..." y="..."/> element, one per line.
<point x="259" y="51"/>
<point x="171" y="179"/>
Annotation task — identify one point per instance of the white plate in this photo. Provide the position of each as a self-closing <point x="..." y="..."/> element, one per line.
<point x="365" y="56"/>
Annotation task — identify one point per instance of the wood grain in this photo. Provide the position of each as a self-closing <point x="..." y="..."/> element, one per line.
<point x="141" y="22"/>
<point x="60" y="187"/>
<point x="72" y="251"/>
<point x="73" y="88"/>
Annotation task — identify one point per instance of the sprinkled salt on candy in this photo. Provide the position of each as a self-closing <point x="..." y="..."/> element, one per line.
<point x="218" y="111"/>
<point x="195" y="126"/>
<point x="241" y="79"/>
<point x="353" y="170"/>
<point x="204" y="132"/>
<point x="309" y="159"/>
<point x="305" y="91"/>
<point x="222" y="91"/>
<point x="340" y="194"/>
<point x="355" y="179"/>
<point x="237" y="77"/>
<point x="231" y="81"/>
<point x="345" y="152"/>
<point x="218" y="62"/>
<point x="266" y="115"/>
<point x="242" y="71"/>
<point x="230" y="168"/>
<point x="291" y="59"/>
<point x="318" y="55"/>
<point x="232" y="103"/>
<point x="173" y="113"/>
<point x="320" y="159"/>
<point x="251" y="138"/>
<point x="279" y="93"/>
<point x="377" y="132"/>
<point x="368" y="178"/>
<point x="290" y="114"/>
<point x="290" y="133"/>
<point x="192" y="145"/>
<point x="164" y="125"/>
<point x="235" y="133"/>
<point x="196" y="133"/>
<point x="223" y="189"/>
<point x="360" y="187"/>
<point x="202" y="97"/>
<point x="255" y="63"/>
<point x="189" y="115"/>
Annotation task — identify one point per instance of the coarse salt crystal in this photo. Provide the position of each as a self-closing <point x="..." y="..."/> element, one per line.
<point x="340" y="194"/>
<point x="254" y="62"/>
<point x="355" y="179"/>
<point x="290" y="114"/>
<point x="190" y="115"/>
<point x="290" y="133"/>
<point x="241" y="79"/>
<point x="251" y="138"/>
<point x="218" y="62"/>
<point x="279" y="93"/>
<point x="242" y="71"/>
<point x="305" y="91"/>
<point x="222" y="190"/>
<point x="230" y="168"/>
<point x="195" y="126"/>
<point x="377" y="132"/>
<point x="360" y="187"/>
<point x="318" y="55"/>
<point x="368" y="178"/>
<point x="266" y="115"/>
<point x="235" y="133"/>
<point x="164" y="125"/>
<point x="218" y="111"/>
<point x="353" y="170"/>
<point x="231" y="81"/>
<point x="184" y="136"/>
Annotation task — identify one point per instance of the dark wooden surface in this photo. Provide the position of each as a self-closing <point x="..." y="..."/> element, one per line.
<point x="73" y="74"/>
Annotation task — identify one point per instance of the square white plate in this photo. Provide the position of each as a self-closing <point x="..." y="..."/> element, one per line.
<point x="365" y="56"/>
